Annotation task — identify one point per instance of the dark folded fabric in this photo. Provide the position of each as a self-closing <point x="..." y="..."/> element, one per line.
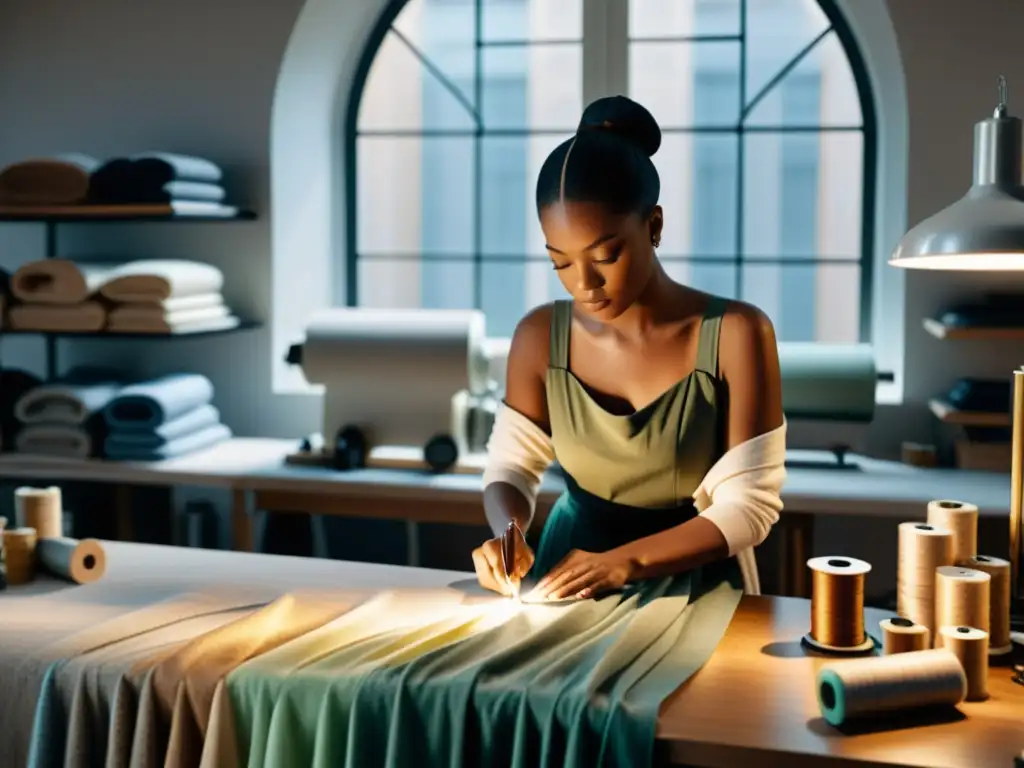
<point x="14" y="383"/>
<point x="156" y="177"/>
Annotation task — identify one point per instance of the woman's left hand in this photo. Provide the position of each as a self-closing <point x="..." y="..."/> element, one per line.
<point x="583" y="575"/>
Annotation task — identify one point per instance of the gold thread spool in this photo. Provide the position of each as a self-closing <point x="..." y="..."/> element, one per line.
<point x="901" y="635"/>
<point x="41" y="509"/>
<point x="837" y="604"/>
<point x="999" y="601"/>
<point x="922" y="548"/>
<point x="20" y="555"/>
<point x="970" y="646"/>
<point x="961" y="598"/>
<point x="962" y="519"/>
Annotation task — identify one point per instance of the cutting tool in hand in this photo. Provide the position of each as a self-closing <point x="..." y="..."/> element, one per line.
<point x="508" y="556"/>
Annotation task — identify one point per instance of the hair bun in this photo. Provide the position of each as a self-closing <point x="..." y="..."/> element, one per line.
<point x="623" y="117"/>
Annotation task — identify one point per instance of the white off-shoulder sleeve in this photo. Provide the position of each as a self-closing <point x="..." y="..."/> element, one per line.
<point x="742" y="495"/>
<point x="518" y="453"/>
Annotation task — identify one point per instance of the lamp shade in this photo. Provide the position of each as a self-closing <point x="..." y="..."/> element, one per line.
<point x="983" y="230"/>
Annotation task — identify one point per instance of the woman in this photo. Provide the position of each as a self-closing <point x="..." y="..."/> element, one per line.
<point x="657" y="399"/>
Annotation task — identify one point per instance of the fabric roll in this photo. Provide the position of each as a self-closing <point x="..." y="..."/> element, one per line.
<point x="86" y="317"/>
<point x="59" y="281"/>
<point x="119" y="450"/>
<point x="187" y="424"/>
<point x="155" y="177"/>
<point x="59" y="180"/>
<point x="155" y="280"/>
<point x="64" y="441"/>
<point x="67" y="402"/>
<point x="147" y="405"/>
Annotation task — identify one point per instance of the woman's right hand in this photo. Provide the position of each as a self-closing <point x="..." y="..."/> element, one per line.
<point x="490" y="570"/>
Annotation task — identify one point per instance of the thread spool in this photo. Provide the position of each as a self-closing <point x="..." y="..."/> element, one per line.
<point x="970" y="646"/>
<point x="961" y="599"/>
<point x="999" y="640"/>
<point x="837" y="605"/>
<point x="20" y="555"/>
<point x="901" y="635"/>
<point x="856" y="688"/>
<point x="922" y="548"/>
<point x="41" y="509"/>
<point x="81" y="562"/>
<point x="962" y="519"/>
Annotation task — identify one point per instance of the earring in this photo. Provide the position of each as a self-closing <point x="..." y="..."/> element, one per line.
<point x="655" y="241"/>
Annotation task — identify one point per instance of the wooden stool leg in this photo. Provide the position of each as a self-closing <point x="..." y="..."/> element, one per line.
<point x="241" y="522"/>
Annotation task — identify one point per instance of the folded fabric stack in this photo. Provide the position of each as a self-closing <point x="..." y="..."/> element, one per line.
<point x="65" y="417"/>
<point x="162" y="419"/>
<point x="144" y="296"/>
<point x="14" y="383"/>
<point x="59" y="295"/>
<point x="157" y="177"/>
<point x="60" y="180"/>
<point x="166" y="296"/>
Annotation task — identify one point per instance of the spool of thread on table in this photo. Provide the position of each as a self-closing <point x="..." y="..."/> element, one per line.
<point x="922" y="548"/>
<point x="961" y="599"/>
<point x="901" y="635"/>
<point x="81" y="562"/>
<point x="999" y="641"/>
<point x="970" y="646"/>
<point x="837" y="604"/>
<point x="961" y="518"/>
<point x="20" y="555"/>
<point x="41" y="509"/>
<point x="856" y="688"/>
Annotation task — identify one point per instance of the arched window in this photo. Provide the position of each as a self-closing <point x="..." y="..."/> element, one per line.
<point x="767" y="162"/>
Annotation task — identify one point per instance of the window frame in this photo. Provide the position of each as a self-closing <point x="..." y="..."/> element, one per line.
<point x="605" y="49"/>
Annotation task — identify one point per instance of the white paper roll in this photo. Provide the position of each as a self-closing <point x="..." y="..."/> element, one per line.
<point x="394" y="372"/>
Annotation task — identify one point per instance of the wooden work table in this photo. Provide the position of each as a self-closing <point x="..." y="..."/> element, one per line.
<point x="254" y="469"/>
<point x="753" y="704"/>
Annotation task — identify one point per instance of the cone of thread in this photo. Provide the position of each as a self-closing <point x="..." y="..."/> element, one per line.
<point x="41" y="509"/>
<point x="999" y="599"/>
<point x="961" y="599"/>
<point x="19" y="555"/>
<point x="901" y="635"/>
<point x="961" y="518"/>
<point x="970" y="646"/>
<point x="922" y="548"/>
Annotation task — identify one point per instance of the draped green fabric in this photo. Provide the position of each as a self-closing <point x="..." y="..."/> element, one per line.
<point x="502" y="684"/>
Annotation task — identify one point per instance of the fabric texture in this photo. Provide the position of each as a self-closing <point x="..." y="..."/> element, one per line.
<point x="85" y="317"/>
<point x="59" y="180"/>
<point x="155" y="280"/>
<point x="59" y="281"/>
<point x="121" y="450"/>
<point x="67" y="401"/>
<point x="147" y="405"/>
<point x="69" y="441"/>
<point x="184" y="426"/>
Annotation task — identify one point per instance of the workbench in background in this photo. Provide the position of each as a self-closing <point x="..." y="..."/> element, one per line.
<point x="254" y="472"/>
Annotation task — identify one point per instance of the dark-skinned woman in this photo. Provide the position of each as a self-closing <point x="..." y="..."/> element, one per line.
<point x="661" y="403"/>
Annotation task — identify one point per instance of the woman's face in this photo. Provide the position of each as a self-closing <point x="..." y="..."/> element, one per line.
<point x="603" y="260"/>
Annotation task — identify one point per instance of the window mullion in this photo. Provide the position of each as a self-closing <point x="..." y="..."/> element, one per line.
<point x="605" y="48"/>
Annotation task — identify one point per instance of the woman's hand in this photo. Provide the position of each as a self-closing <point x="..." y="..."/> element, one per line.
<point x="490" y="571"/>
<point x="582" y="575"/>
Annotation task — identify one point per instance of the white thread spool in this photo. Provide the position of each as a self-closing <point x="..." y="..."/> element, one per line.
<point x="999" y="601"/>
<point x="41" y="509"/>
<point x="970" y="646"/>
<point x="961" y="599"/>
<point x="873" y="685"/>
<point x="961" y="518"/>
<point x="900" y="635"/>
<point x="921" y="549"/>
<point x="81" y="562"/>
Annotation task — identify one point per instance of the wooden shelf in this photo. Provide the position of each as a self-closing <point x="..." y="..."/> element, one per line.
<point x="243" y="326"/>
<point x="940" y="330"/>
<point x="180" y="211"/>
<point x="950" y="415"/>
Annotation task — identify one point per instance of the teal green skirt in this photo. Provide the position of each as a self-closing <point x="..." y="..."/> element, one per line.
<point x="578" y="684"/>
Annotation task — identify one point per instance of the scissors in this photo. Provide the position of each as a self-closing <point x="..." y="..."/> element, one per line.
<point x="508" y="556"/>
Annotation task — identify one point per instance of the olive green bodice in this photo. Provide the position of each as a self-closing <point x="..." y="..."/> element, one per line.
<point x="654" y="457"/>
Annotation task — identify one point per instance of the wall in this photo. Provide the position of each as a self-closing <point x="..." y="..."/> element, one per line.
<point x="200" y="77"/>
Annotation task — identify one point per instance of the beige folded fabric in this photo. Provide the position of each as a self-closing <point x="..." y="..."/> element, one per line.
<point x="158" y="325"/>
<point x="154" y="280"/>
<point x="63" y="440"/>
<point x="85" y="317"/>
<point x="59" y="281"/>
<point x="62" y="180"/>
